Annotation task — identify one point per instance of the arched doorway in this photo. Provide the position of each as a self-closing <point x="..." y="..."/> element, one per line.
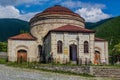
<point x="97" y="59"/>
<point x="40" y="49"/>
<point x="40" y="52"/>
<point x="22" y="55"/>
<point x="73" y="52"/>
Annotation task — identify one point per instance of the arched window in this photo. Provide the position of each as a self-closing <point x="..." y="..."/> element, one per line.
<point x="59" y="46"/>
<point x="86" y="47"/>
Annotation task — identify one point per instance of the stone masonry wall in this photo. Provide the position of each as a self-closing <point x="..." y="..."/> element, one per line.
<point x="40" y="28"/>
<point x="99" y="71"/>
<point x="72" y="69"/>
<point x="106" y="72"/>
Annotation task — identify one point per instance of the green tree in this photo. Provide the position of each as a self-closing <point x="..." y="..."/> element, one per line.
<point x="3" y="46"/>
<point x="116" y="52"/>
<point x="23" y="31"/>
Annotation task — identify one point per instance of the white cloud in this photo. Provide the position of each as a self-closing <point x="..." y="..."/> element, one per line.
<point x="92" y="14"/>
<point x="27" y="6"/>
<point x="9" y="12"/>
<point x="18" y="2"/>
<point x="27" y="2"/>
<point x="12" y="12"/>
<point x="71" y="4"/>
<point x="78" y="4"/>
<point x="27" y="16"/>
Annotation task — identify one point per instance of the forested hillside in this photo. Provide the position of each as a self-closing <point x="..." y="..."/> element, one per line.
<point x="11" y="27"/>
<point x="110" y="30"/>
<point x="90" y="25"/>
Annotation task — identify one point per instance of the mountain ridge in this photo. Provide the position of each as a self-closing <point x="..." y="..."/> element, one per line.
<point x="109" y="30"/>
<point x="10" y="27"/>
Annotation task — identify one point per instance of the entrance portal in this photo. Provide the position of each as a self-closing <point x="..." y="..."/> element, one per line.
<point x="40" y="52"/>
<point x="97" y="57"/>
<point x="22" y="55"/>
<point x="73" y="52"/>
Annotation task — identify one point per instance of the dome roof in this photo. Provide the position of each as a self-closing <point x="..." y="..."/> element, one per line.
<point x="57" y="9"/>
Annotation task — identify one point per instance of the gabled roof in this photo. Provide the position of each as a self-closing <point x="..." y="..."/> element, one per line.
<point x="24" y="36"/>
<point x="99" y="39"/>
<point x="72" y="28"/>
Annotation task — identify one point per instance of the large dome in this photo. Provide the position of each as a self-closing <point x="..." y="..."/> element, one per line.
<point x="57" y="9"/>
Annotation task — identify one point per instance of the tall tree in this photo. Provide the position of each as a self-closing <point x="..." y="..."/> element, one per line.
<point x="116" y="52"/>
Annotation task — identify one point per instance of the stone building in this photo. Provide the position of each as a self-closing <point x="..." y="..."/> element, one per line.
<point x="60" y="34"/>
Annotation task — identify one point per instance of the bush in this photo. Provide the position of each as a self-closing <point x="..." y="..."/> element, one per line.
<point x="3" y="46"/>
<point x="2" y="60"/>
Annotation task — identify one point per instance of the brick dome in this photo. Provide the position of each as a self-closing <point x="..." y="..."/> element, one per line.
<point x="57" y="9"/>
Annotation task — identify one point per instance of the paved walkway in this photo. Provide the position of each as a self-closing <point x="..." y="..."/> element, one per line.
<point x="11" y="73"/>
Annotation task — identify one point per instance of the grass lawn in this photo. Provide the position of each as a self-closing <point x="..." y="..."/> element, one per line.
<point x="3" y="61"/>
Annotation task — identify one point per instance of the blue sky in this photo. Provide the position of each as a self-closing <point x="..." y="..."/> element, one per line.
<point x="91" y="10"/>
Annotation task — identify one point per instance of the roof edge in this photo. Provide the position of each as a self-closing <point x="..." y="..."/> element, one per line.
<point x="22" y="37"/>
<point x="100" y="39"/>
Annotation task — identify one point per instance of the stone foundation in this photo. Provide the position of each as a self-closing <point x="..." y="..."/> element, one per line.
<point x="98" y="71"/>
<point x="72" y="69"/>
<point x="106" y="72"/>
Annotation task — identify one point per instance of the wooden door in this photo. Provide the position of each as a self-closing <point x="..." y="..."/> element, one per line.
<point x="22" y="56"/>
<point x="73" y="52"/>
<point x="97" y="57"/>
